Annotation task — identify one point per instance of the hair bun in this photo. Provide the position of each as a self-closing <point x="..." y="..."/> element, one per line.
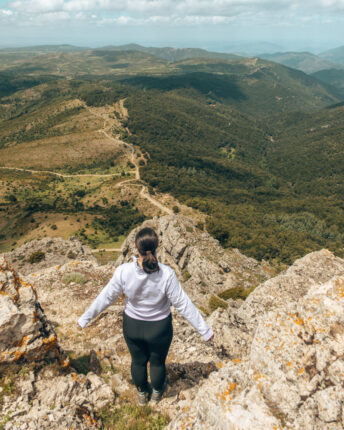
<point x="147" y="241"/>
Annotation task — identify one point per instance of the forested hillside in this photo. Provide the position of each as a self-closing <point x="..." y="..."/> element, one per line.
<point x="250" y="145"/>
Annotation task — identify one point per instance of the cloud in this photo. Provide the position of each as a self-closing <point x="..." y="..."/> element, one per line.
<point x="172" y="12"/>
<point x="40" y="6"/>
<point x="6" y="12"/>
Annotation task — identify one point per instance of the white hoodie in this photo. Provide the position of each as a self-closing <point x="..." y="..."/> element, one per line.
<point x="148" y="296"/>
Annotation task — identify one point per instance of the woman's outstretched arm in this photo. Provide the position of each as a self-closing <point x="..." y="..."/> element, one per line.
<point x="181" y="301"/>
<point x="106" y="297"/>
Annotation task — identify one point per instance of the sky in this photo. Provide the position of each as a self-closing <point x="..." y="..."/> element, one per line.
<point x="218" y="25"/>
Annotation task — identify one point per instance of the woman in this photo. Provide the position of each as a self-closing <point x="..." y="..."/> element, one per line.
<point x="150" y="287"/>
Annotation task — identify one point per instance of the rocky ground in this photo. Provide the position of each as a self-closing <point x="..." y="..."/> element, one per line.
<point x="276" y="360"/>
<point x="39" y="254"/>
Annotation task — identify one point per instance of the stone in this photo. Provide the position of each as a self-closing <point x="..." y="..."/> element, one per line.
<point x="25" y="332"/>
<point x="57" y="251"/>
<point x="199" y="261"/>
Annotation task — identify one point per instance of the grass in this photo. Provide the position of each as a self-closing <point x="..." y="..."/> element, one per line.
<point x="106" y="257"/>
<point x="236" y="293"/>
<point x="80" y="363"/>
<point x="132" y="417"/>
<point x="215" y="302"/>
<point x="76" y="277"/>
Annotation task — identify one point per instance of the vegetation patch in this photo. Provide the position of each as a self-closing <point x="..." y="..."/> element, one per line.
<point x="76" y="277"/>
<point x="215" y="302"/>
<point x="132" y="417"/>
<point x="36" y="257"/>
<point x="236" y="293"/>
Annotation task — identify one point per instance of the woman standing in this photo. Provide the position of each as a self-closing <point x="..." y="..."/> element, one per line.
<point x="150" y="287"/>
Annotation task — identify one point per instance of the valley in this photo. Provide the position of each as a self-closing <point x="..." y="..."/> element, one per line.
<point x="92" y="142"/>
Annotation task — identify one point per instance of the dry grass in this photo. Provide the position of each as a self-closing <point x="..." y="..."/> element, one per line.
<point x="61" y="151"/>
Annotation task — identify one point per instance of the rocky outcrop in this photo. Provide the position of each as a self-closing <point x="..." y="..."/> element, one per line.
<point x="202" y="265"/>
<point x="292" y="374"/>
<point x="47" y="400"/>
<point x="49" y="395"/>
<point x="25" y="332"/>
<point x="40" y="254"/>
<point x="291" y="285"/>
<point x="277" y="359"/>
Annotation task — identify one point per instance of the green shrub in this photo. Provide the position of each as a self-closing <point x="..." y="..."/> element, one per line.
<point x="176" y="209"/>
<point x="36" y="257"/>
<point x="236" y="293"/>
<point x="76" y="277"/>
<point x="186" y="275"/>
<point x="215" y="302"/>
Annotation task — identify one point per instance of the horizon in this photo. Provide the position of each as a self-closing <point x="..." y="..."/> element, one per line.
<point x="241" y="47"/>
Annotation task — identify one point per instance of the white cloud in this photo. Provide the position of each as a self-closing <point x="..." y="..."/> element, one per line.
<point x="51" y="17"/>
<point x="173" y="12"/>
<point x="40" y="6"/>
<point x="6" y="12"/>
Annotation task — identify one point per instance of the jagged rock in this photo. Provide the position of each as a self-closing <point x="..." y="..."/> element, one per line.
<point x="291" y="376"/>
<point x="57" y="402"/>
<point x="201" y="264"/>
<point x="25" y="332"/>
<point x="290" y="285"/>
<point x="47" y="399"/>
<point x="56" y="251"/>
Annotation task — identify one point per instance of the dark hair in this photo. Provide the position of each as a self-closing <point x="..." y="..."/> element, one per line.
<point x="147" y="241"/>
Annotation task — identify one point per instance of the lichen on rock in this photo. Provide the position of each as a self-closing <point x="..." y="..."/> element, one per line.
<point x="25" y="332"/>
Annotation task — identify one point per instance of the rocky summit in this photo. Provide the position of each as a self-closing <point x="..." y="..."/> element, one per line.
<point x="277" y="359"/>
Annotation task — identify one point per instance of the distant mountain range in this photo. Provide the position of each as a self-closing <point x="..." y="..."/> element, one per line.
<point x="305" y="61"/>
<point x="334" y="55"/>
<point x="46" y="48"/>
<point x="172" y="54"/>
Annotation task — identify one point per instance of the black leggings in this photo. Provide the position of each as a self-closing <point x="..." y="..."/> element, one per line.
<point x="148" y="341"/>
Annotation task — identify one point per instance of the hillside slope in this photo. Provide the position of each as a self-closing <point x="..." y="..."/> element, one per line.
<point x="304" y="61"/>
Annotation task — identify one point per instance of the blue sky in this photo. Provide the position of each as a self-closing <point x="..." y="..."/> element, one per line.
<point x="218" y="24"/>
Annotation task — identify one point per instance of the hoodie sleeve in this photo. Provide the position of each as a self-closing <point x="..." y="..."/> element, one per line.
<point x="106" y="297"/>
<point x="181" y="301"/>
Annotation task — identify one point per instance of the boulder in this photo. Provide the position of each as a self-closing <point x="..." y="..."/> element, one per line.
<point x="25" y="332"/>
<point x="292" y="373"/>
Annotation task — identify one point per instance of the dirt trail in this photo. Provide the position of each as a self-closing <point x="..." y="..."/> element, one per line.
<point x="62" y="175"/>
<point x="105" y="117"/>
<point x="144" y="194"/>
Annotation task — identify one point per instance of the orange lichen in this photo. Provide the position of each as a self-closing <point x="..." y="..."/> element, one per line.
<point x="17" y="355"/>
<point x="65" y="363"/>
<point x="35" y="316"/>
<point x="219" y="365"/>
<point x="75" y="377"/>
<point x="49" y="340"/>
<point x="340" y="288"/>
<point x="236" y="360"/>
<point x="301" y="371"/>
